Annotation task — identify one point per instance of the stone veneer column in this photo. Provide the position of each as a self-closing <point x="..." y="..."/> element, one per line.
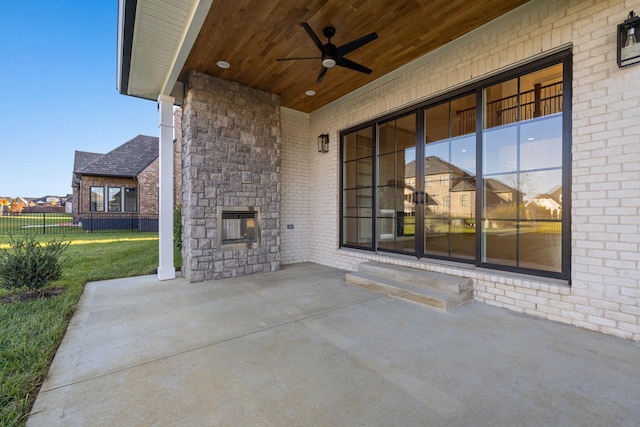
<point x="227" y="129"/>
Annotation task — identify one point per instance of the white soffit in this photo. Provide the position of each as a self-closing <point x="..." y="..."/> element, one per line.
<point x="164" y="33"/>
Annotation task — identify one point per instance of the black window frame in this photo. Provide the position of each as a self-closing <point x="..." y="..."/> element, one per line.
<point x="94" y="205"/>
<point x="563" y="57"/>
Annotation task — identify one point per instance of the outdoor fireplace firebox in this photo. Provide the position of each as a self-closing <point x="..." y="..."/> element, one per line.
<point x="238" y="228"/>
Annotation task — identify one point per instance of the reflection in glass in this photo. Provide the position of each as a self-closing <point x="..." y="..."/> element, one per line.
<point x="522" y="167"/>
<point x="500" y="195"/>
<point x="500" y="150"/>
<point x="357" y="192"/>
<point x="358" y="144"/>
<point x="357" y="202"/>
<point x="541" y="143"/>
<point x="540" y="245"/>
<point x="463" y="154"/>
<point x="357" y="232"/>
<point x="115" y="199"/>
<point x="450" y="167"/>
<point x="499" y="242"/>
<point x="357" y="173"/>
<point x="501" y="104"/>
<point x="542" y="194"/>
<point x="396" y="167"/>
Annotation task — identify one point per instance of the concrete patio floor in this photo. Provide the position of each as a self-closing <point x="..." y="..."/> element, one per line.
<point x="301" y="347"/>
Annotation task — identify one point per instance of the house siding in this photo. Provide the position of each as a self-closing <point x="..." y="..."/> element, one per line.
<point x="603" y="294"/>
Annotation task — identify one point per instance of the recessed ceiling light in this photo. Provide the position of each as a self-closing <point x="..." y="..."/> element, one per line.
<point x="310" y="92"/>
<point x="223" y="64"/>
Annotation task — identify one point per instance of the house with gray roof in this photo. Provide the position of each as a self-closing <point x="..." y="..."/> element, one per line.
<point x="118" y="189"/>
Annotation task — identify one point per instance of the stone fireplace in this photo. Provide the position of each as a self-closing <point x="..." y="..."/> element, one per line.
<point x="230" y="179"/>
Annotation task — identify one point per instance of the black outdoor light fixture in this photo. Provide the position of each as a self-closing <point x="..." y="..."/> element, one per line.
<point x="323" y="143"/>
<point x="629" y="41"/>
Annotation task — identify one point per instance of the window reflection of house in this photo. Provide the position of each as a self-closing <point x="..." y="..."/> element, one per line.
<point x="450" y="189"/>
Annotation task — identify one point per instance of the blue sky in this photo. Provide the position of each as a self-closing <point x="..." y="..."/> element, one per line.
<point x="58" y="74"/>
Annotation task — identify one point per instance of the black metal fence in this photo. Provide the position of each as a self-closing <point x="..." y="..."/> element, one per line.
<point x="63" y="223"/>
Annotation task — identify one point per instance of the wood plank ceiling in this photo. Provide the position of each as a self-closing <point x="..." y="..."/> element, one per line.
<point x="250" y="35"/>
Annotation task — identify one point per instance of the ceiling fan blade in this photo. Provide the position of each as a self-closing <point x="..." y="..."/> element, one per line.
<point x="313" y="36"/>
<point x="295" y="59"/>
<point x="353" y="45"/>
<point x="323" y="71"/>
<point x="346" y="63"/>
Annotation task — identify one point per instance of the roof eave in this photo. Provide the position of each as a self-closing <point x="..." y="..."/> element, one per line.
<point x="126" y="25"/>
<point x="138" y="51"/>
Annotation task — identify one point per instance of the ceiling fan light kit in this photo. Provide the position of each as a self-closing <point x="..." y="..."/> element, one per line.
<point x="332" y="55"/>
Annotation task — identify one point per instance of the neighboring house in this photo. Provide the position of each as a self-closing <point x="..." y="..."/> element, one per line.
<point x="7" y="202"/>
<point x="118" y="189"/>
<point x="520" y="109"/>
<point x="46" y="204"/>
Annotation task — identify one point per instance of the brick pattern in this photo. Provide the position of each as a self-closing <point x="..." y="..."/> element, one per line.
<point x="148" y="188"/>
<point x="147" y="185"/>
<point x="227" y="129"/>
<point x="604" y="294"/>
<point x="296" y="155"/>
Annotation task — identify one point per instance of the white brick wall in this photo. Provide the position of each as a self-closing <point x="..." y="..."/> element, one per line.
<point x="294" y="194"/>
<point x="604" y="294"/>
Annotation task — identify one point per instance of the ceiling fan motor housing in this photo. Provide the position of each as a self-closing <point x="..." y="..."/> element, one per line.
<point x="329" y="56"/>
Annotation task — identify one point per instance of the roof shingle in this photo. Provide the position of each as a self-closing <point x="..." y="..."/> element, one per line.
<point x="127" y="160"/>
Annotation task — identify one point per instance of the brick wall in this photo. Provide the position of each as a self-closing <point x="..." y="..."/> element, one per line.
<point x="604" y="294"/>
<point x="296" y="156"/>
<point x="148" y="189"/>
<point x="228" y="129"/>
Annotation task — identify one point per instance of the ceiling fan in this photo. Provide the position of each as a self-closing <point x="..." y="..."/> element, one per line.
<point x="332" y="55"/>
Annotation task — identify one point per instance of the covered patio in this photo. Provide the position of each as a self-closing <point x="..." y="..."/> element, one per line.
<point x="302" y="347"/>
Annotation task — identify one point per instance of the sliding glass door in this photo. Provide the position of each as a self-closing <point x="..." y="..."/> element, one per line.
<point x="481" y="176"/>
<point x="396" y="185"/>
<point x="450" y="179"/>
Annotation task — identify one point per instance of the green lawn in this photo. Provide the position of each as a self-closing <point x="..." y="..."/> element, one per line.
<point x="49" y="223"/>
<point x="30" y="332"/>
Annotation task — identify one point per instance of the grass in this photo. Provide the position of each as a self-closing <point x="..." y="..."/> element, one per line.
<point x="59" y="223"/>
<point x="31" y="331"/>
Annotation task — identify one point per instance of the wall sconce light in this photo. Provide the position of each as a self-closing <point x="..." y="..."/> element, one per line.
<point x="323" y="143"/>
<point x="629" y="41"/>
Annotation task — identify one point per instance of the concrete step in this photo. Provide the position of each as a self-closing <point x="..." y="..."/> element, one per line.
<point x="439" y="281"/>
<point x="435" y="290"/>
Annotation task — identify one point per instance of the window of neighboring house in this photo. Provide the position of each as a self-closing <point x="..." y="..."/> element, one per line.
<point x="96" y="199"/>
<point x="464" y="200"/>
<point x="130" y="199"/>
<point x="115" y="199"/>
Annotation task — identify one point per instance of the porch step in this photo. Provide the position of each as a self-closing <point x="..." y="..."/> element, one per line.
<point x="440" y="291"/>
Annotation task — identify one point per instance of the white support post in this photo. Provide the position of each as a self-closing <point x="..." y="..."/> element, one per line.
<point x="166" y="269"/>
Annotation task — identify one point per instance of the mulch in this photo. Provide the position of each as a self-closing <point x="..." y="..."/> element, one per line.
<point x="31" y="295"/>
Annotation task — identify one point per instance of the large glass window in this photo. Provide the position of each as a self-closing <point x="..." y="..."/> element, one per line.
<point x="115" y="199"/>
<point x="477" y="177"/>
<point x="522" y="146"/>
<point x="357" y="189"/>
<point x="96" y="199"/>
<point x="130" y="199"/>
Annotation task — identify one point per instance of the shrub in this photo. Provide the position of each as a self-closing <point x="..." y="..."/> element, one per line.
<point x="177" y="226"/>
<point x="31" y="264"/>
